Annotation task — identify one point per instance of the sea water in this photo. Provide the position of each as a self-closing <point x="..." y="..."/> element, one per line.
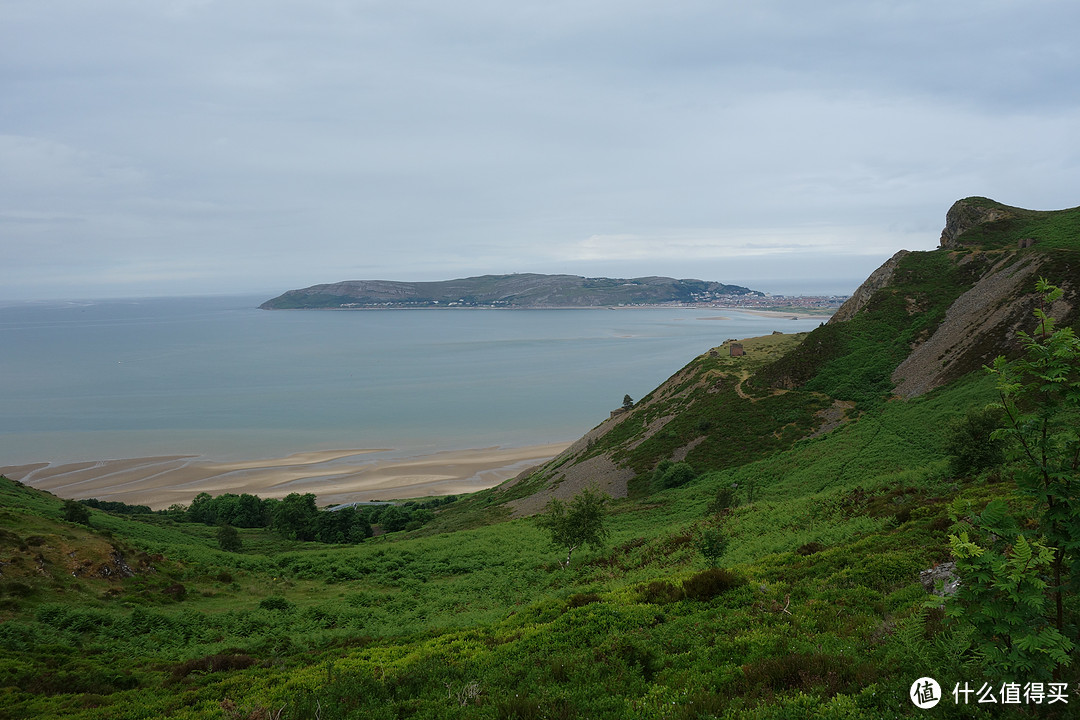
<point x="217" y="377"/>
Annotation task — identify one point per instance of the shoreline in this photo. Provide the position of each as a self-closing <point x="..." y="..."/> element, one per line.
<point x="802" y="314"/>
<point x="788" y="315"/>
<point x="335" y="476"/>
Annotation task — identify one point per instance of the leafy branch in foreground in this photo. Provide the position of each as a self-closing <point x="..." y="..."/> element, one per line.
<point x="579" y="522"/>
<point x="1012" y="571"/>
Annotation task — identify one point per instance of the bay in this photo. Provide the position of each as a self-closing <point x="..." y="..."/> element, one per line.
<point x="218" y="378"/>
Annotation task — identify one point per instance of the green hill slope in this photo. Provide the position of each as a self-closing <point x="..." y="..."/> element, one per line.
<point x="832" y="488"/>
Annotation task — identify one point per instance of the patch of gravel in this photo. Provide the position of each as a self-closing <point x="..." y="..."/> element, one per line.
<point x="599" y="471"/>
<point x="680" y="454"/>
<point x="651" y="429"/>
<point x="832" y="417"/>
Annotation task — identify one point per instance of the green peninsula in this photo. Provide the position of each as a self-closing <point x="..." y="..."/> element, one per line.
<point x="519" y="290"/>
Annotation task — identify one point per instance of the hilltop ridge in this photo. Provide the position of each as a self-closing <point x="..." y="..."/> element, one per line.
<point x="919" y="322"/>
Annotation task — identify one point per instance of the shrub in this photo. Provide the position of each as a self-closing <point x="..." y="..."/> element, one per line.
<point x="211" y="664"/>
<point x="672" y="475"/>
<point x="582" y="599"/>
<point x="76" y="512"/>
<point x="276" y="602"/>
<point x="15" y="589"/>
<point x="802" y="671"/>
<point x="707" y="584"/>
<point x="659" y="592"/>
<point x="969" y="442"/>
<point x="809" y="548"/>
<point x="176" y="591"/>
<point x="725" y="500"/>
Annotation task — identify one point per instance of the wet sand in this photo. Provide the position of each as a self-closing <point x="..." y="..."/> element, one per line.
<point x="335" y="476"/>
<point x="785" y="315"/>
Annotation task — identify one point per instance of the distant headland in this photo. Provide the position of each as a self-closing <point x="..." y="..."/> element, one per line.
<point x="520" y="290"/>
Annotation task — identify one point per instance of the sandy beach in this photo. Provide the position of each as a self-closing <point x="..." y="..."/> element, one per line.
<point x="335" y="476"/>
<point x="786" y="315"/>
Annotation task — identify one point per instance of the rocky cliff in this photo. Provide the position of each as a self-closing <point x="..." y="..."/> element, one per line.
<point x="969" y="213"/>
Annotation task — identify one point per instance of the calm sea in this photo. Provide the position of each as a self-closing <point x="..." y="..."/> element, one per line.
<point x="215" y="376"/>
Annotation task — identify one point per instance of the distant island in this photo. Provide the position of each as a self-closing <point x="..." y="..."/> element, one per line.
<point x="520" y="290"/>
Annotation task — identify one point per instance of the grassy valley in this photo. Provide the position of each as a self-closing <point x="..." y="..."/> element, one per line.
<point x="831" y="494"/>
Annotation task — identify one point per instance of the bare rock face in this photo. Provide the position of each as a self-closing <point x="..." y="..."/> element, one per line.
<point x="965" y="215"/>
<point x="878" y="279"/>
<point x="978" y="326"/>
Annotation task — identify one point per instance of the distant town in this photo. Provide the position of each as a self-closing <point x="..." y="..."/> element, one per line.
<point x="821" y="303"/>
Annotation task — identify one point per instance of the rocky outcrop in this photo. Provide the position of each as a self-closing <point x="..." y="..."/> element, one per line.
<point x="980" y="325"/>
<point x="877" y="280"/>
<point x="967" y="214"/>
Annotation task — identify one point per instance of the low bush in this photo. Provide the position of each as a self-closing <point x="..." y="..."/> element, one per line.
<point x="802" y="671"/>
<point x="707" y="584"/>
<point x="211" y="664"/>
<point x="659" y="592"/>
<point x="672" y="475"/>
<point x="276" y="602"/>
<point x="582" y="599"/>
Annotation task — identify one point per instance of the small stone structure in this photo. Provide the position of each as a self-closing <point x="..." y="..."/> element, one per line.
<point x="736" y="349"/>
<point x="1025" y="242"/>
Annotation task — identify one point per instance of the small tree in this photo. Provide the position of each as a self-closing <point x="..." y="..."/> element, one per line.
<point x="229" y="539"/>
<point x="1040" y="395"/>
<point x="970" y="444"/>
<point x="76" y="512"/>
<point x="1015" y="575"/>
<point x="579" y="522"/>
<point x="712" y="542"/>
<point x="725" y="500"/>
<point x="627" y="402"/>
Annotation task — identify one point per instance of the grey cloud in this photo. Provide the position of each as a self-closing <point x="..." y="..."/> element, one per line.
<point x="294" y="139"/>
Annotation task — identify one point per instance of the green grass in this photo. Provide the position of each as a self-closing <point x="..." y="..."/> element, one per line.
<point x="406" y="627"/>
<point x="1052" y="230"/>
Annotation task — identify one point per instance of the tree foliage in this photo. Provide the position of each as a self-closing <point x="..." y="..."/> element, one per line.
<point x="712" y="542"/>
<point x="970" y="442"/>
<point x="1015" y="576"/>
<point x="229" y="539"/>
<point x="1003" y="594"/>
<point x="76" y="512"/>
<point x="670" y="474"/>
<point x="296" y="516"/>
<point x="579" y="522"/>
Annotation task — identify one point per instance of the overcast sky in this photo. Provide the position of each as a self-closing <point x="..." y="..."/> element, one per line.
<point x="209" y="146"/>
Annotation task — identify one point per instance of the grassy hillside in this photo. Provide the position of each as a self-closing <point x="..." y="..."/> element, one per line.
<point x="842" y="495"/>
